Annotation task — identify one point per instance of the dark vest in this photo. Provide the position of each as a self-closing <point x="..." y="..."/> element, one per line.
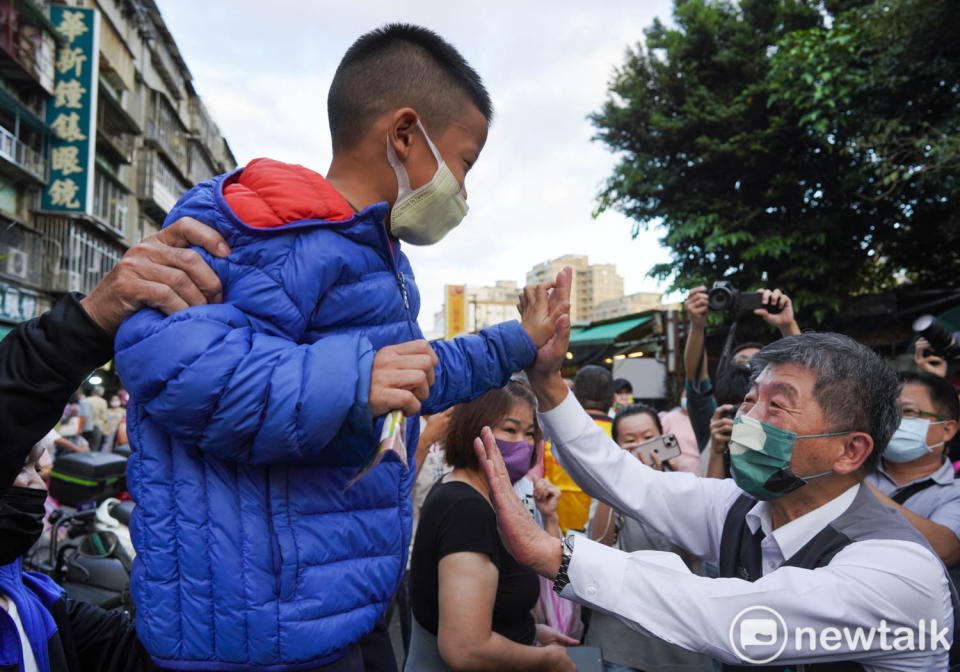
<point x="865" y="519"/>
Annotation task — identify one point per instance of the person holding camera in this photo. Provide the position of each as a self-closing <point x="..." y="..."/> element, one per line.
<point x="776" y="309"/>
<point x="935" y="346"/>
<point x="915" y="474"/>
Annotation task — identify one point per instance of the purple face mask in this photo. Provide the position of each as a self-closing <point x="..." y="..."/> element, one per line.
<point x="517" y="456"/>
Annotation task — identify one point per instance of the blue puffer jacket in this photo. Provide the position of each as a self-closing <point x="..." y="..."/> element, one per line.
<point x="249" y="417"/>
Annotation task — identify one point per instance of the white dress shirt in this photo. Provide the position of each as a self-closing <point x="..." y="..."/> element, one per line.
<point x="878" y="586"/>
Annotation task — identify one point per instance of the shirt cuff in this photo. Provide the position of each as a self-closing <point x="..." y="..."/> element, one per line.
<point x="596" y="573"/>
<point x="702" y="388"/>
<point x="564" y="422"/>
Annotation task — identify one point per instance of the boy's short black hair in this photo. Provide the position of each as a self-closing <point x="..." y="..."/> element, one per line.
<point x="401" y="65"/>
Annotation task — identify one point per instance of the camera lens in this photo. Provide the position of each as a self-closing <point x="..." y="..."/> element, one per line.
<point x="720" y="298"/>
<point x="938" y="335"/>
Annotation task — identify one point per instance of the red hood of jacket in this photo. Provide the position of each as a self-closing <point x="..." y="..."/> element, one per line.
<point x="268" y="194"/>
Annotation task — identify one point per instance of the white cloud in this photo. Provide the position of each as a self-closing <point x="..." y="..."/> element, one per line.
<point x="264" y="68"/>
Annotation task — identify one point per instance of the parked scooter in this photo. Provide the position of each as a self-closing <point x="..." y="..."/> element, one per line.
<point x="91" y="562"/>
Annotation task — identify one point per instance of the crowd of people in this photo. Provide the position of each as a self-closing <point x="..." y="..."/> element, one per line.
<point x="301" y="459"/>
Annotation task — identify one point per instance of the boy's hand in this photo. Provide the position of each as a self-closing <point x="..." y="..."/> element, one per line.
<point x="540" y="308"/>
<point x="401" y="377"/>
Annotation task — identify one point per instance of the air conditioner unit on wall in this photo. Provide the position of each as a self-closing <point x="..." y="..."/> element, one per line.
<point x="16" y="263"/>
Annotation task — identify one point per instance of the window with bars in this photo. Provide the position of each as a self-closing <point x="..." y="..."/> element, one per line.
<point x="110" y="201"/>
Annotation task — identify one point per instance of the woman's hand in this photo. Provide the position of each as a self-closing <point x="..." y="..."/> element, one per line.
<point x="925" y="360"/>
<point x="547" y="635"/>
<point x="721" y="428"/>
<point x="557" y="660"/>
<point x="547" y="496"/>
<point x="652" y="460"/>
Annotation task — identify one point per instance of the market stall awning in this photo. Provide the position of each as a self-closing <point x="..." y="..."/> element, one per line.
<point x="609" y="333"/>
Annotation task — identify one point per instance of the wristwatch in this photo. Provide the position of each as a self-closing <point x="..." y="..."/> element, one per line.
<point x="562" y="579"/>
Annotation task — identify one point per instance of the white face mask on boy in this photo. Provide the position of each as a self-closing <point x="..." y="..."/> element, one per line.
<point x="425" y="215"/>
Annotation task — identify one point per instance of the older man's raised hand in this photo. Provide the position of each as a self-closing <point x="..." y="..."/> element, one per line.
<point x="527" y="542"/>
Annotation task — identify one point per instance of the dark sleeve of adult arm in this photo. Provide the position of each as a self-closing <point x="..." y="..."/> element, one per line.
<point x="42" y="362"/>
<point x="102" y="641"/>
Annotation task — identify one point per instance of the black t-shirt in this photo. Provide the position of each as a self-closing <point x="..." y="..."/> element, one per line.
<point x="456" y="518"/>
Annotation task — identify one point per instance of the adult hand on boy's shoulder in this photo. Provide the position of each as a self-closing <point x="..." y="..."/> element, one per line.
<point x="401" y="377"/>
<point x="159" y="272"/>
<point x="541" y="305"/>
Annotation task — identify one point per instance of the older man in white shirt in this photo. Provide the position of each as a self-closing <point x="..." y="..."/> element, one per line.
<point x="814" y="570"/>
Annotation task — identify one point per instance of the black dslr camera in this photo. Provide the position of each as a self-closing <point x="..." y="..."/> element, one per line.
<point x="724" y="297"/>
<point x="939" y="337"/>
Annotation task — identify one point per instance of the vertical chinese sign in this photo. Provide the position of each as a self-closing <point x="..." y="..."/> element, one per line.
<point x="456" y="305"/>
<point x="72" y="112"/>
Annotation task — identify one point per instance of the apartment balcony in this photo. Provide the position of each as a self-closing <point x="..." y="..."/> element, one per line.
<point x="159" y="185"/>
<point x="115" y="129"/>
<point x="110" y="202"/>
<point x="172" y="142"/>
<point x="118" y="146"/>
<point x="28" y="45"/>
<point x="18" y="161"/>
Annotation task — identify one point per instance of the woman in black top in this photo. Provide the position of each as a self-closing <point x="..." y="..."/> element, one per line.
<point x="471" y="600"/>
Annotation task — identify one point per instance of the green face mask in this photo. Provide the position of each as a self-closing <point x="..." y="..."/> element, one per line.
<point x="760" y="458"/>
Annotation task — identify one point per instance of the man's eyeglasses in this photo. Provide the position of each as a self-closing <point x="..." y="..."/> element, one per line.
<point x="917" y="413"/>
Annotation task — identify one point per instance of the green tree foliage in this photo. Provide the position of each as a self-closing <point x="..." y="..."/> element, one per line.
<point x="803" y="145"/>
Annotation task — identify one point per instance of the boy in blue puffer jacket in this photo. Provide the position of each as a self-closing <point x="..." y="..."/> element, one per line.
<point x="249" y="419"/>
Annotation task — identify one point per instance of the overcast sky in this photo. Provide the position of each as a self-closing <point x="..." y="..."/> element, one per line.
<point x="263" y="69"/>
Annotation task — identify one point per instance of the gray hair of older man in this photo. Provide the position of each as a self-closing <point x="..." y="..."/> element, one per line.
<point x="855" y="388"/>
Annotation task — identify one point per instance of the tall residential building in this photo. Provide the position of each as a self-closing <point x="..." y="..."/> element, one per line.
<point x="101" y="131"/>
<point x="627" y="305"/>
<point x="592" y="284"/>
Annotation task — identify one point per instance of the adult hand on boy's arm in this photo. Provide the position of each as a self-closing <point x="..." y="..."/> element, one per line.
<point x="401" y="377"/>
<point x="159" y="272"/>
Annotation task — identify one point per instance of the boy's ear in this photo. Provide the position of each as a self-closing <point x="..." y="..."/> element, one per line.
<point x="402" y="125"/>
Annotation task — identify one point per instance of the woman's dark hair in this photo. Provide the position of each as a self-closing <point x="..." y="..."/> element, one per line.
<point x="635" y="409"/>
<point x="732" y="386"/>
<point x="486" y="411"/>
